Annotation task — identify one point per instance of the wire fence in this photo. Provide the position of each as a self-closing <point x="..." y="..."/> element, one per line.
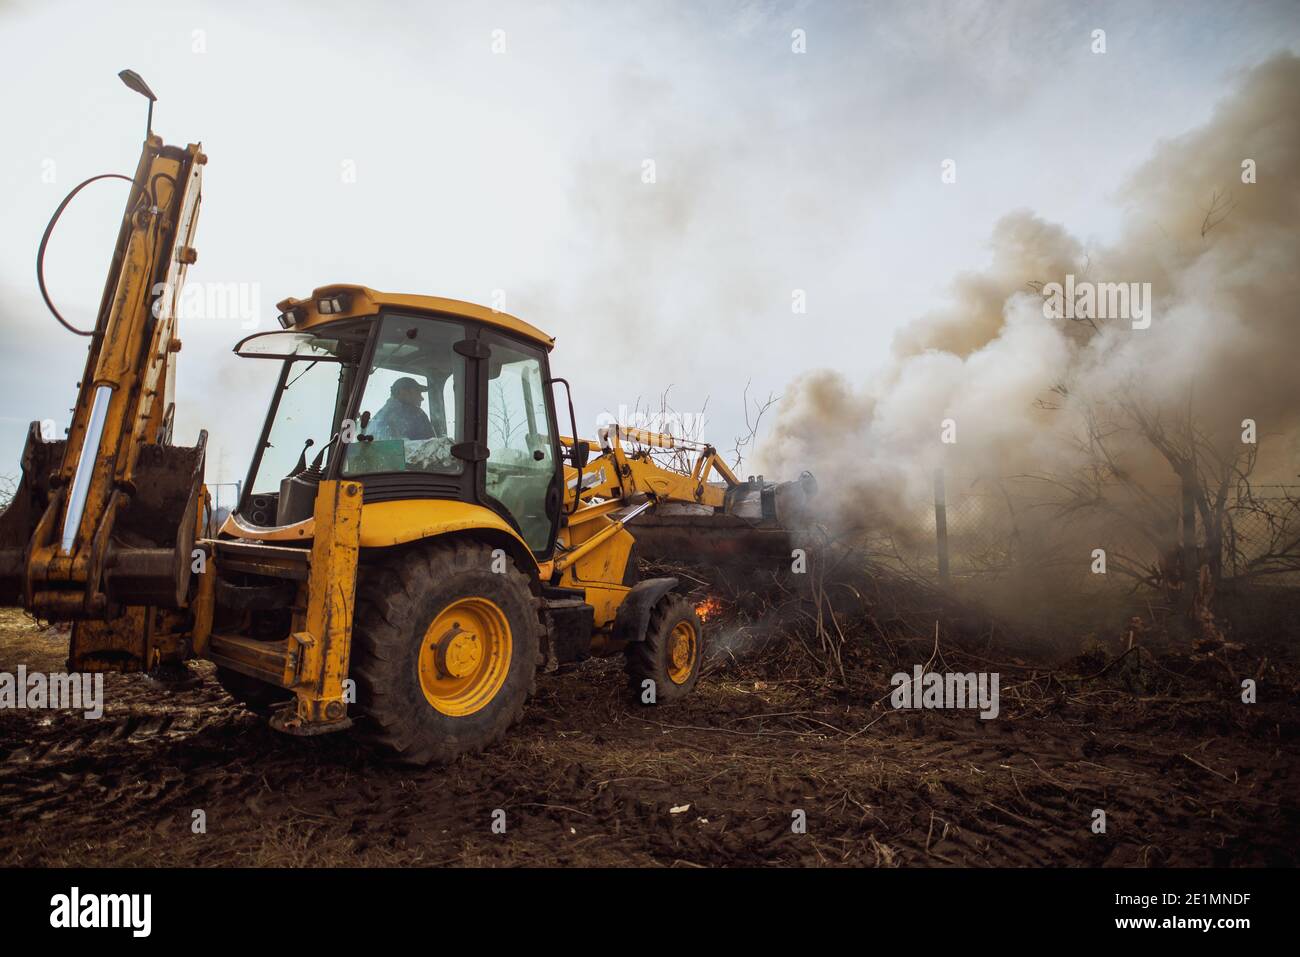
<point x="969" y="532"/>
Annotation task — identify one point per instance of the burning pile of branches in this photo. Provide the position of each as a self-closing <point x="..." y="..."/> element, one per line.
<point x="851" y="618"/>
<point x="836" y="602"/>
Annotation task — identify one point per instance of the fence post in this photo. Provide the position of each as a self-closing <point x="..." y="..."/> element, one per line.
<point x="1191" y="567"/>
<point x="941" y="526"/>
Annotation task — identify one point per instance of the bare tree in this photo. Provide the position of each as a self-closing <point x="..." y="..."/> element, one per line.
<point x="752" y="422"/>
<point x="1187" y="523"/>
<point x="501" y="418"/>
<point x="1219" y="209"/>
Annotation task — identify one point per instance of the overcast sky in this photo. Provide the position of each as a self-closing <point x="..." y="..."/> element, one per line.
<point x="522" y="170"/>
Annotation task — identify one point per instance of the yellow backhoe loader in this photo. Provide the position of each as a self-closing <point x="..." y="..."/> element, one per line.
<point x="415" y="538"/>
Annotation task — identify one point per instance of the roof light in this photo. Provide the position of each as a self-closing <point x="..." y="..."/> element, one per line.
<point x="332" y="305"/>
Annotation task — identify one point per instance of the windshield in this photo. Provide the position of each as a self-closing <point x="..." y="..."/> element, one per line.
<point x="310" y="398"/>
<point x="308" y="407"/>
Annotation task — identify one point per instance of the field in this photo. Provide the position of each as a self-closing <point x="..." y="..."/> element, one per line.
<point x="1186" y="774"/>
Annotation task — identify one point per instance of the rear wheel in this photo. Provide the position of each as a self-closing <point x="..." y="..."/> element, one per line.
<point x="671" y="654"/>
<point x="444" y="651"/>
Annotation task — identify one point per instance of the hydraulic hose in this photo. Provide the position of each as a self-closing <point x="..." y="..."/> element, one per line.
<point x="45" y="239"/>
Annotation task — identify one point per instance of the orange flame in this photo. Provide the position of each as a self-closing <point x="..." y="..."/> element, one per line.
<point x="708" y="608"/>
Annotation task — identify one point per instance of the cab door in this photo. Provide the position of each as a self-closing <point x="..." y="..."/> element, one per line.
<point x="522" y="474"/>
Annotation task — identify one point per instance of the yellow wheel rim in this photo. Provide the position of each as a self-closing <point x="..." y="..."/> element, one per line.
<point x="681" y="652"/>
<point x="465" y="656"/>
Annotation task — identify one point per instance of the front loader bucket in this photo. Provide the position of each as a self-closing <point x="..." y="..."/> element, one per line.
<point x="761" y="522"/>
<point x="716" y="539"/>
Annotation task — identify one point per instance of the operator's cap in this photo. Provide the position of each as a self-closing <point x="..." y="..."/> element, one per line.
<point x="405" y="382"/>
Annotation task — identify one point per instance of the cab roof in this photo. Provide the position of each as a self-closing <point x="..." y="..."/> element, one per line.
<point x="345" y="301"/>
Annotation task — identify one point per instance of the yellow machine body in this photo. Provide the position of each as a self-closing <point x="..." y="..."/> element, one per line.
<point x="73" y="543"/>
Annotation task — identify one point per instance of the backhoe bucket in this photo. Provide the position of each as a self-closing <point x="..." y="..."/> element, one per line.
<point x="147" y="560"/>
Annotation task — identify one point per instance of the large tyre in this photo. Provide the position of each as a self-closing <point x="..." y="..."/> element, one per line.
<point x="257" y="696"/>
<point x="671" y="654"/>
<point x="444" y="651"/>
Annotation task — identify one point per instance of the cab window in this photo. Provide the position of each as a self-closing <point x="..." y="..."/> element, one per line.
<point x="521" y="457"/>
<point x="413" y="402"/>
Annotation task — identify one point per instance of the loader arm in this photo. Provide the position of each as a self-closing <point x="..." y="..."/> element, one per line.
<point x="622" y="473"/>
<point x="701" y="507"/>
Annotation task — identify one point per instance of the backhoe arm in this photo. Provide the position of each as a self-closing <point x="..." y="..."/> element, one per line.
<point x="107" y="518"/>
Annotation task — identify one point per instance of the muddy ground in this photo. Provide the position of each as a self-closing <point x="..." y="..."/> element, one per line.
<point x="1186" y="774"/>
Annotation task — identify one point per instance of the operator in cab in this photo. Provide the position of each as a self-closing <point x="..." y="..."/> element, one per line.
<point x="401" y="416"/>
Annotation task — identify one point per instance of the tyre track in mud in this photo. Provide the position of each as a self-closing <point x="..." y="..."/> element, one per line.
<point x="588" y="778"/>
<point x="148" y="750"/>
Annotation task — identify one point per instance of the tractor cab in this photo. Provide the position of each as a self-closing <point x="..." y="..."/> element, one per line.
<point x="416" y="398"/>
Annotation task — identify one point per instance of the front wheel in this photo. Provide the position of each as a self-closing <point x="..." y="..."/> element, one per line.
<point x="670" y="656"/>
<point x="444" y="651"/>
